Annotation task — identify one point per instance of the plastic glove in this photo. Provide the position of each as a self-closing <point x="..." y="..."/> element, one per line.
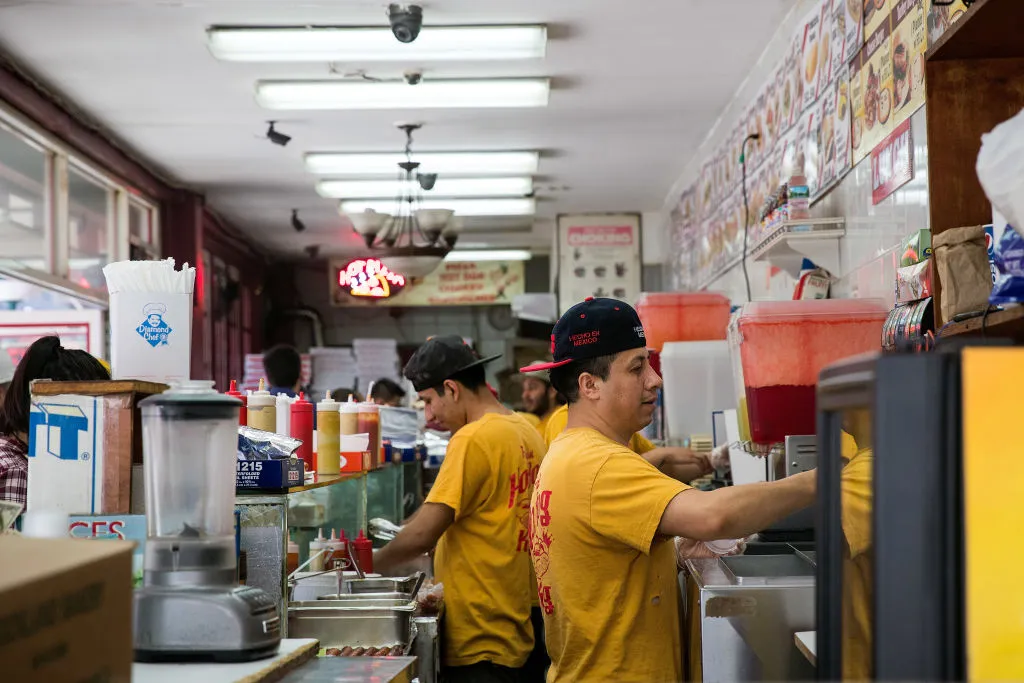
<point x="720" y="457"/>
<point x="688" y="549"/>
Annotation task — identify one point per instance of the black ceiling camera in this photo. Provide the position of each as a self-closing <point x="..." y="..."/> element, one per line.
<point x="277" y="137"/>
<point x="296" y="223"/>
<point x="426" y="180"/>
<point x="406" y="21"/>
<point x="313" y="250"/>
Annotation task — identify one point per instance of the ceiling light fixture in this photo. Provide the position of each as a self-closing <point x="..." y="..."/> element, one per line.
<point x="458" y="164"/>
<point x="416" y="236"/>
<point x="523" y="206"/>
<point x="368" y="44"/>
<point x="453" y="94"/>
<point x="444" y="187"/>
<point x="488" y="255"/>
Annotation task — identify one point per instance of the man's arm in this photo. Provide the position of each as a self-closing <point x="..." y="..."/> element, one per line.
<point x="422" y="532"/>
<point x="736" y="511"/>
<point x="681" y="464"/>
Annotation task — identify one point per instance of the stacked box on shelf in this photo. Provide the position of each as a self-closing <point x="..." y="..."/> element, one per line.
<point x="375" y="359"/>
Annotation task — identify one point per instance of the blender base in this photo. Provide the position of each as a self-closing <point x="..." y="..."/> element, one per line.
<point x="205" y="624"/>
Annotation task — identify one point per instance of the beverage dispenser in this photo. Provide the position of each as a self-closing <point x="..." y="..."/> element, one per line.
<point x="190" y="607"/>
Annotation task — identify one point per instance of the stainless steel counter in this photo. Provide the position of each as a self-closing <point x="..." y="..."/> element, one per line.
<point x="739" y="621"/>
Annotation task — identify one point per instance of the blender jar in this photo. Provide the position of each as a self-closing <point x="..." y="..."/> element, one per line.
<point x="190" y="445"/>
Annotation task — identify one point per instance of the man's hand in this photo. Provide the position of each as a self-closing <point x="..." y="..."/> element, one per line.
<point x="419" y="535"/>
<point x="689" y="549"/>
<point x="679" y="463"/>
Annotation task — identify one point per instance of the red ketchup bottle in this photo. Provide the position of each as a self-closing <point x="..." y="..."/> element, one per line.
<point x="233" y="391"/>
<point x="363" y="550"/>
<point x="302" y="428"/>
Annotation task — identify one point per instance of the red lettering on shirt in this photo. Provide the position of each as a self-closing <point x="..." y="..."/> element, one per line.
<point x="522" y="483"/>
<point x="524" y="541"/>
<point x="544" y="598"/>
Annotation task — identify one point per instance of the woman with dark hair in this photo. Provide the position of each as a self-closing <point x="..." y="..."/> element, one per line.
<point x="45" y="359"/>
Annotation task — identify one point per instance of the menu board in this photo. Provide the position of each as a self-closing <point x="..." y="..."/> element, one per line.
<point x="876" y="13"/>
<point x="909" y="44"/>
<point x="811" y="58"/>
<point x="843" y="149"/>
<point x="853" y="13"/>
<point x="599" y="255"/>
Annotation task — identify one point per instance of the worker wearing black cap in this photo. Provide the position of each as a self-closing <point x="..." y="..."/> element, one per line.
<point x="602" y="517"/>
<point x="476" y="514"/>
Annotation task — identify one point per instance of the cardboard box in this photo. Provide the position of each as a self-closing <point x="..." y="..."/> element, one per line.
<point x="269" y="474"/>
<point x="151" y="336"/>
<point x="83" y="439"/>
<point x="355" y="462"/>
<point x="65" y="610"/>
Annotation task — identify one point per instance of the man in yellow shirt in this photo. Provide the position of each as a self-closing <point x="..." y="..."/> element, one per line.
<point x="539" y="397"/>
<point x="476" y="514"/>
<point x="602" y="517"/>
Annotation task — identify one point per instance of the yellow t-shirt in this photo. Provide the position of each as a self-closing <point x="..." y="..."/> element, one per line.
<point x="483" y="558"/>
<point x="529" y="417"/>
<point x="557" y="421"/>
<point x="606" y="580"/>
<point x="855" y="486"/>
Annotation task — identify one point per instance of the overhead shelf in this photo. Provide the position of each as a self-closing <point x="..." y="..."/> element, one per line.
<point x="990" y="29"/>
<point x="793" y="241"/>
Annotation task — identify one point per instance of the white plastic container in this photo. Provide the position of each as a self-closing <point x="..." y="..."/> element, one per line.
<point x="697" y="381"/>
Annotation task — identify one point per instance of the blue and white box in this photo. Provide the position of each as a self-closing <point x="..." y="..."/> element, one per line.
<point x="66" y="454"/>
<point x="151" y="336"/>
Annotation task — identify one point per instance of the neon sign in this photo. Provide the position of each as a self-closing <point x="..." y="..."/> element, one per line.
<point x="370" y="278"/>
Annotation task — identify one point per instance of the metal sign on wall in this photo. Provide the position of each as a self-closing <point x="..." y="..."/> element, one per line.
<point x="486" y="283"/>
<point x="598" y="255"/>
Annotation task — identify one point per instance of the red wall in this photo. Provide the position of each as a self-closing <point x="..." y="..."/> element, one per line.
<point x="225" y="327"/>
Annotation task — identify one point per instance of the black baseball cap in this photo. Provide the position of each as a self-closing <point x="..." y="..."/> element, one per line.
<point x="593" y="328"/>
<point x="441" y="358"/>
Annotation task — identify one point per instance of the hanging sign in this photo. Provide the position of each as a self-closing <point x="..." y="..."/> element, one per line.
<point x="486" y="283"/>
<point x="369" y="278"/>
<point x="892" y="163"/>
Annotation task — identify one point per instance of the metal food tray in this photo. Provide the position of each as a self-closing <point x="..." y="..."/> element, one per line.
<point x="358" y="600"/>
<point x="360" y="626"/>
<point x="351" y="597"/>
<point x="381" y="585"/>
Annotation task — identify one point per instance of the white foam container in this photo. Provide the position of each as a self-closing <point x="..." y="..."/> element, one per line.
<point x="697" y="381"/>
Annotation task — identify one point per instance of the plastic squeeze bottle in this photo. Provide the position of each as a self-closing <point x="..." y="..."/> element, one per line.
<point x="302" y="428"/>
<point x="315" y="546"/>
<point x="328" y="436"/>
<point x="369" y="423"/>
<point x="261" y="409"/>
<point x="349" y="417"/>
<point x="233" y="391"/>
<point x="363" y="551"/>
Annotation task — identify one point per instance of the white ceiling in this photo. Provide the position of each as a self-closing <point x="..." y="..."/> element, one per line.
<point x="637" y="85"/>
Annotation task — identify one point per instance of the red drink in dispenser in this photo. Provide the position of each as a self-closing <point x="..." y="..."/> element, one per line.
<point x="784" y="345"/>
<point x="682" y="316"/>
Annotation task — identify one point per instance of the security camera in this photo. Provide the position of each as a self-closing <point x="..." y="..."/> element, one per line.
<point x="276" y="136"/>
<point x="312" y="251"/>
<point x="406" y="21"/>
<point x="413" y="77"/>
<point x="426" y="180"/>
<point x="296" y="222"/>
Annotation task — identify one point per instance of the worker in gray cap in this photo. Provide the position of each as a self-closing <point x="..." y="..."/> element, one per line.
<point x="476" y="515"/>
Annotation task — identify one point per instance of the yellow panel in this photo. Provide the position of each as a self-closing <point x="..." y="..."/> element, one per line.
<point x="993" y="404"/>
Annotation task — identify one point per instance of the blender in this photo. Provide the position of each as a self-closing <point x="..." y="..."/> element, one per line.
<point x="191" y="607"/>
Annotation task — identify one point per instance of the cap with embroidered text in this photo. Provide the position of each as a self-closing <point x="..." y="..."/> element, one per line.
<point x="593" y="328"/>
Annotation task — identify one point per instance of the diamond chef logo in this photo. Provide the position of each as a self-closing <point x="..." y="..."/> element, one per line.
<point x="153" y="329"/>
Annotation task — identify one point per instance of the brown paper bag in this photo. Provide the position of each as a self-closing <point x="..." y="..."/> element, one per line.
<point x="961" y="259"/>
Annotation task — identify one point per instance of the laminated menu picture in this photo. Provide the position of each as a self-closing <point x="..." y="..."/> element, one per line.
<point x="706" y="189"/>
<point x="842" y="123"/>
<point x="773" y="167"/>
<point x="942" y="15"/>
<point x="853" y="13"/>
<point x="731" y="160"/>
<point x="876" y="13"/>
<point x="771" y="113"/>
<point x="825" y="51"/>
<point x="825" y="132"/>
<point x="838" y="13"/>
<point x="909" y="44"/>
<point x="811" y="58"/>
<point x="757" y="127"/>
<point x="791" y="92"/>
<point x="807" y="149"/>
<point x="787" y="154"/>
<point x="871" y="93"/>
<point x="858" y="151"/>
<point x="733" y="224"/>
<point x="781" y="114"/>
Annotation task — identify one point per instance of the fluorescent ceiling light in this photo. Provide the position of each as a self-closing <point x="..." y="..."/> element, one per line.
<point x="444" y="163"/>
<point x="444" y="187"/>
<point x="489" y="255"/>
<point x="369" y="44"/>
<point x="523" y="206"/>
<point x="462" y="93"/>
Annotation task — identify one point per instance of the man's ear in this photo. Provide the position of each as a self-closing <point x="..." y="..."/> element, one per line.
<point x="589" y="386"/>
<point x="453" y="388"/>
